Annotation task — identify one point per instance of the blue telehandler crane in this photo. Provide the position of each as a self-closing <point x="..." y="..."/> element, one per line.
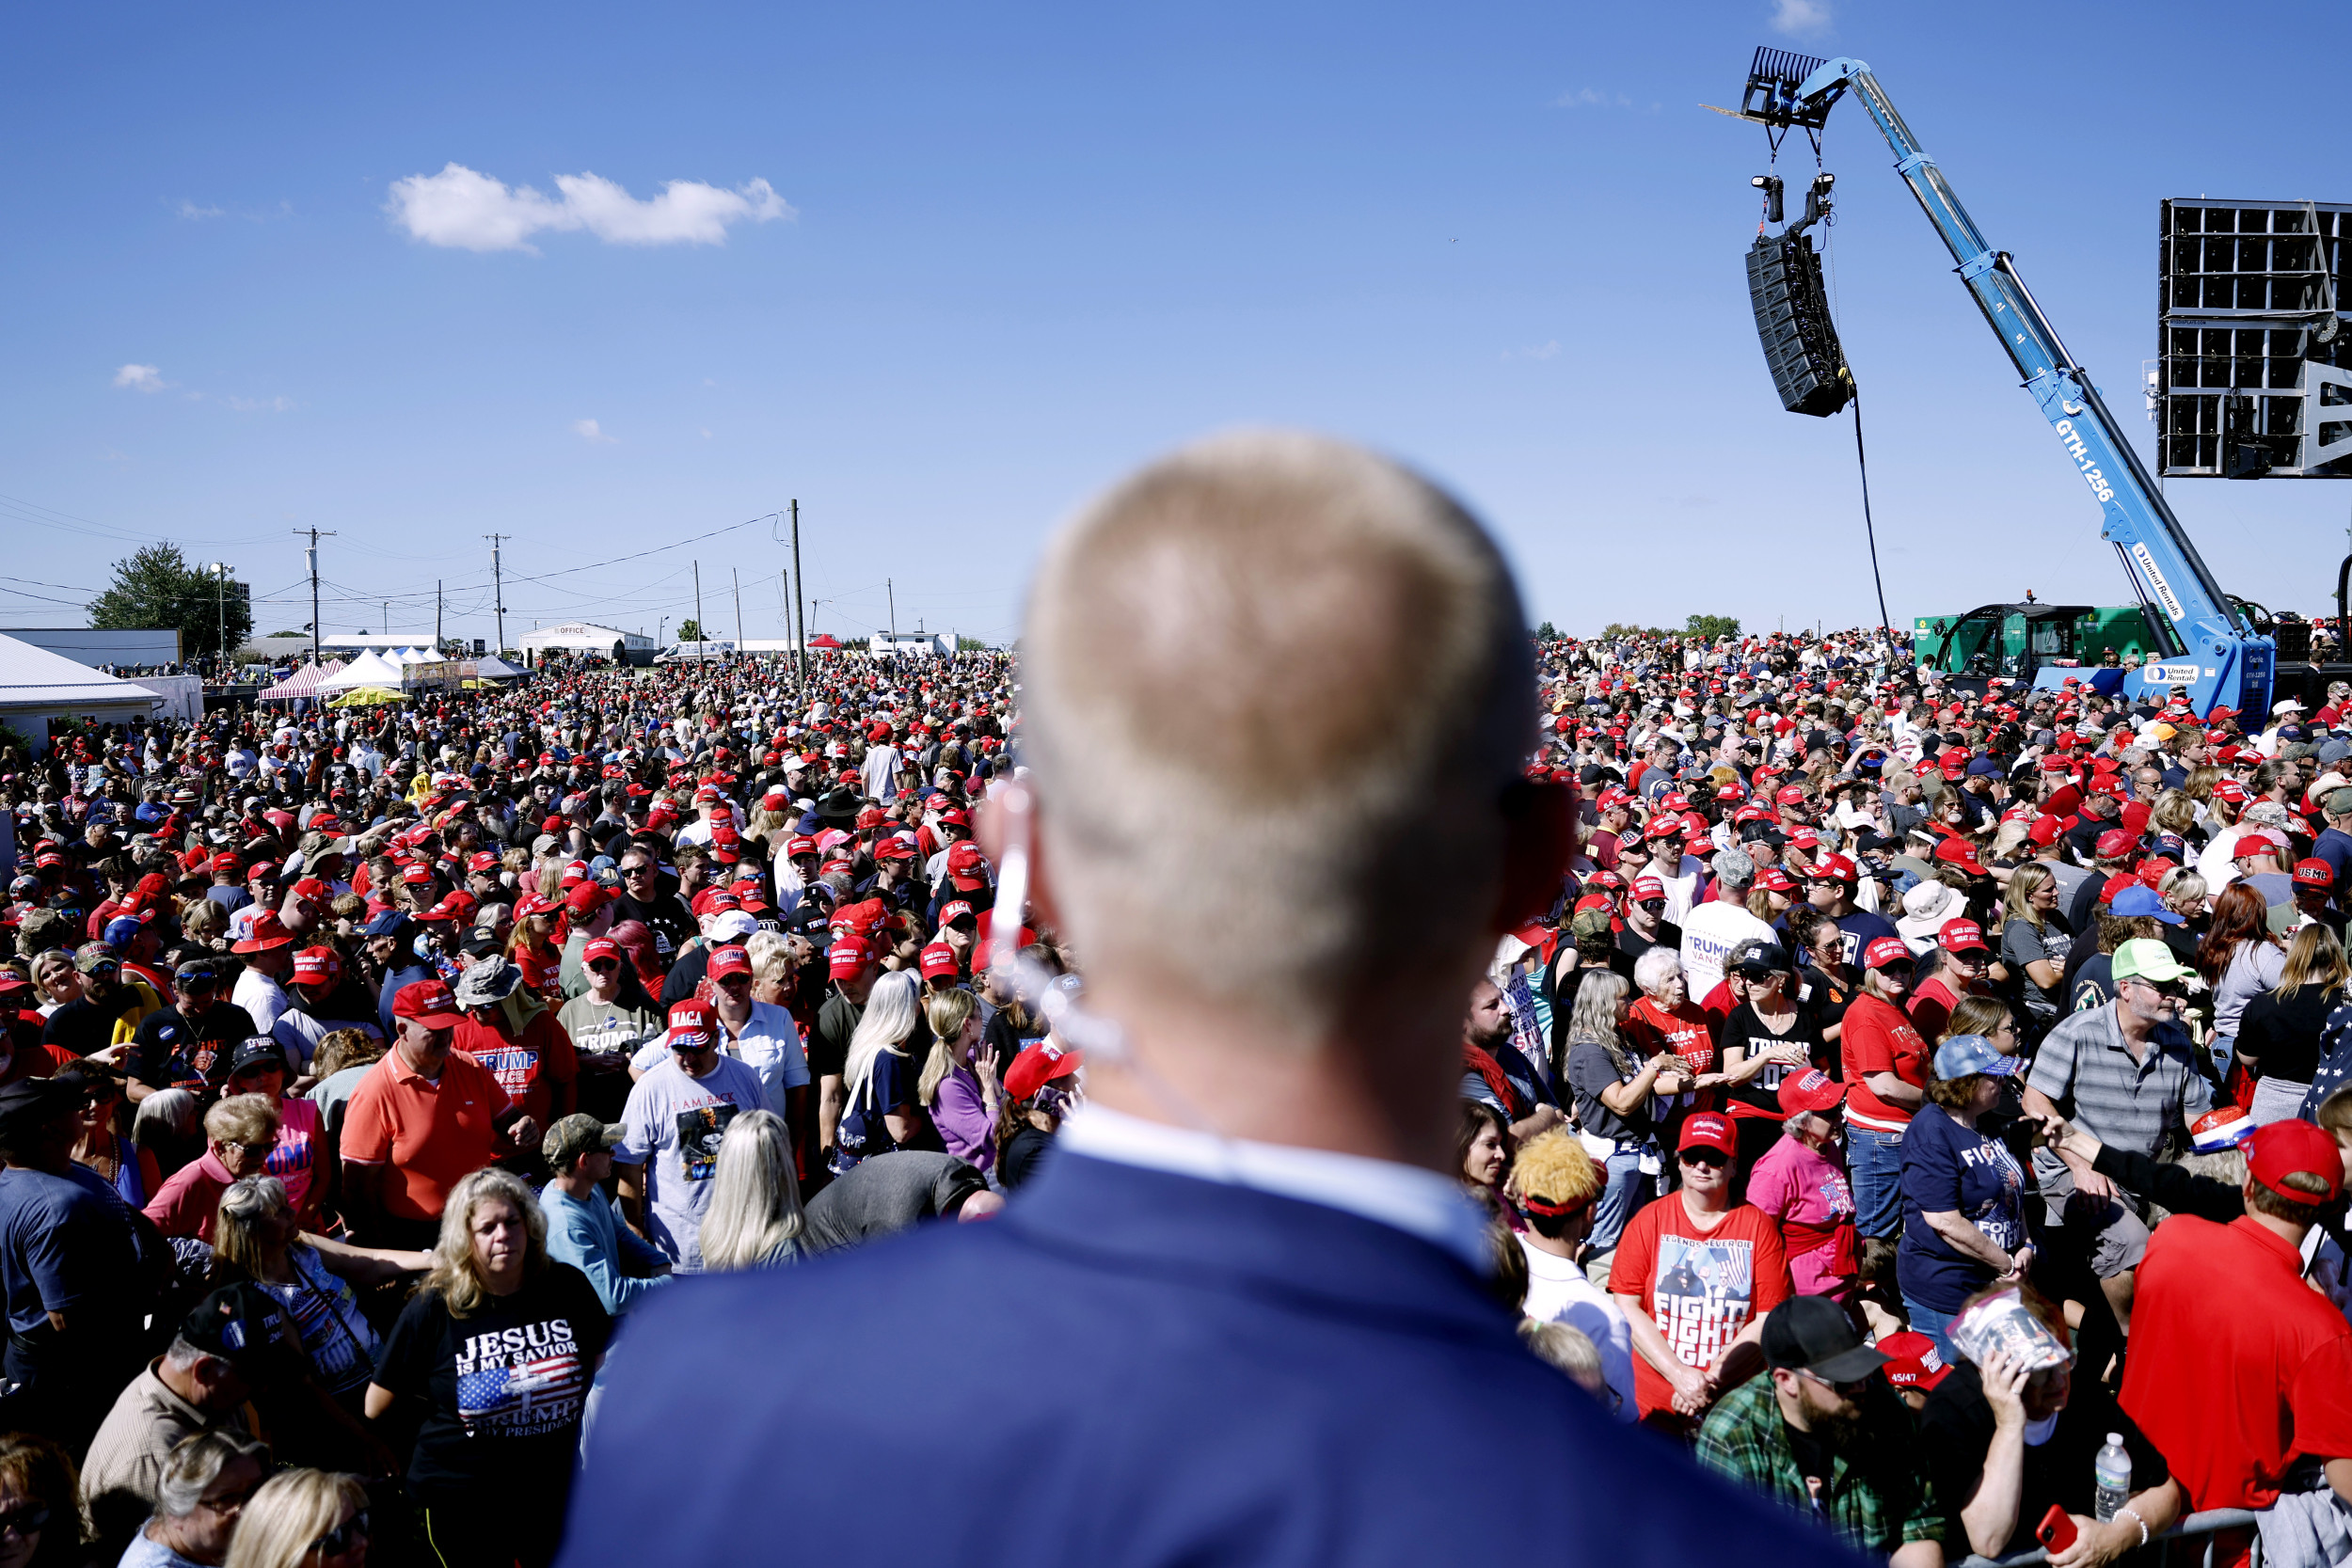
<point x="2212" y="652"/>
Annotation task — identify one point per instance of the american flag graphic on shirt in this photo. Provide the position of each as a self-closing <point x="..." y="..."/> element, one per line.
<point x="509" y="1390"/>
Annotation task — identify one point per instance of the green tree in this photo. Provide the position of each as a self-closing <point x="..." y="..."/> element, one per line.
<point x="1546" y="633"/>
<point x="1711" y="626"/>
<point x="158" y="587"/>
<point x="970" y="645"/>
<point x="690" y="631"/>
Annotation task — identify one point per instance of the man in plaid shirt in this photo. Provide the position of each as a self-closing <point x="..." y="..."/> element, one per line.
<point x="1826" y="1434"/>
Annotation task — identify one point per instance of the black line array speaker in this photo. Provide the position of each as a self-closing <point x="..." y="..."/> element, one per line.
<point x="1792" y="320"/>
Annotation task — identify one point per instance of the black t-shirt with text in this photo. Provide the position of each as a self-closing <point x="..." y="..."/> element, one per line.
<point x="504" y="1386"/>
<point x="172" y="1049"/>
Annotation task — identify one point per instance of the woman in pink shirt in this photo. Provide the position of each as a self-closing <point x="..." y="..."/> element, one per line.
<point x="1800" y="1183"/>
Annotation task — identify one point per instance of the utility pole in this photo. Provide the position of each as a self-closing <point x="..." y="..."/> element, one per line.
<point x="737" y="576"/>
<point x="498" y="589"/>
<point x="799" y="612"/>
<point x="436" y="615"/>
<point x="892" y="590"/>
<point x="220" y="606"/>
<point x="702" y="633"/>
<point x="312" y="555"/>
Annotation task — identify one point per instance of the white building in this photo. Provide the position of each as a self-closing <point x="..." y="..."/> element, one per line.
<point x="585" y="637"/>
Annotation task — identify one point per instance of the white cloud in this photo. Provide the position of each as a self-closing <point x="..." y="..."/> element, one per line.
<point x="142" y="378"/>
<point x="706" y="436"/>
<point x="463" y="208"/>
<point x="1589" y="98"/>
<point x="266" y="406"/>
<point x="588" y="430"/>
<point x="1535" y="350"/>
<point x="1800" y="16"/>
<point x="187" y="209"/>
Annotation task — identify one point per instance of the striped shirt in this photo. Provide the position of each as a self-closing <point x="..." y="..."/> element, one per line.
<point x="2087" y="1073"/>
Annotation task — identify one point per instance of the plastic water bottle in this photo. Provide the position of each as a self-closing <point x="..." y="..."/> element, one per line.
<point x="2113" y="1468"/>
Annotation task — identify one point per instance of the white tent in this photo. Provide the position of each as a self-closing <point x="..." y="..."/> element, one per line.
<point x="496" y="669"/>
<point x="36" y="685"/>
<point x="368" y="669"/>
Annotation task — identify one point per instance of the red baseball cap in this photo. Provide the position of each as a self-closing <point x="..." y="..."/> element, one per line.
<point x="1837" y="868"/>
<point x="314" y="966"/>
<point x="1885" y="951"/>
<point x="2114" y="844"/>
<point x="1815" y="1090"/>
<point x="937" y="960"/>
<point x="1960" y="853"/>
<point x="1773" y="880"/>
<point x="1959" y="934"/>
<point x="690" y="1024"/>
<point x="729" y="959"/>
<point x="419" y="873"/>
<point x="1707" y="1130"/>
<point x="2314" y="873"/>
<point x="428" y="1002"/>
<point x="600" y="947"/>
<point x="268" y="932"/>
<point x="586" y="897"/>
<point x="1913" y="1361"/>
<point x="1039" y="1066"/>
<point x="2229" y="790"/>
<point x="848" y="954"/>
<point x="2293" y="1146"/>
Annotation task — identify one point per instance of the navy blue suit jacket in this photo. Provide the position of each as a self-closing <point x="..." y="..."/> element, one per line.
<point x="1128" y="1367"/>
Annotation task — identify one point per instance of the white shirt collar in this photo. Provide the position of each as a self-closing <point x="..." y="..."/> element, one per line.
<point x="1420" y="1202"/>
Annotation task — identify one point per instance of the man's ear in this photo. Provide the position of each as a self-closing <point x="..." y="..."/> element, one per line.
<point x="1539" y="838"/>
<point x="1010" y="817"/>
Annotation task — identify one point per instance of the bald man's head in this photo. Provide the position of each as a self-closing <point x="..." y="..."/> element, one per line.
<point x="1273" y="691"/>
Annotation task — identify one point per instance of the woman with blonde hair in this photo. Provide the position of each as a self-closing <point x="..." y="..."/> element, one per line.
<point x="959" y="1082"/>
<point x="257" y="1238"/>
<point x="755" y="1218"/>
<point x="2034" y="940"/>
<point x="878" y="1083"/>
<point x="498" y="1349"/>
<point x="2277" y="1034"/>
<point x="303" y="1519"/>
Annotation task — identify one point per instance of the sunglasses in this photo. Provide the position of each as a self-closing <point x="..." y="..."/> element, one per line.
<point x="337" y="1540"/>
<point x="1711" y="1159"/>
<point x="735" y="980"/>
<point x="1851" y="1388"/>
<point x="637" y="871"/>
<point x="2172" y="988"/>
<point x="605" y="966"/>
<point x="21" y="1522"/>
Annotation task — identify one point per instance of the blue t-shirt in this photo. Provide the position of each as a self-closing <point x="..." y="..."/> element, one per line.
<point x="1950" y="1167"/>
<point x="1860" y="930"/>
<point x="864" y="1132"/>
<point x="67" y="1244"/>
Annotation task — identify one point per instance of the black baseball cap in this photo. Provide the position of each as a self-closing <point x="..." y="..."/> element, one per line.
<point x="257" y="1051"/>
<point x="1813" y="1334"/>
<point x="240" y="1323"/>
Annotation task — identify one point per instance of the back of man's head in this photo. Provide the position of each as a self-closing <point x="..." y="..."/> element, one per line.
<point x="1273" y="685"/>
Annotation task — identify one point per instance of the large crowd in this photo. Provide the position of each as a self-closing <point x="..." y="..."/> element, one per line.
<point x="1931" y="1111"/>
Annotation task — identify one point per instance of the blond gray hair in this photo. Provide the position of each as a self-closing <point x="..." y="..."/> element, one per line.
<point x="755" y="1213"/>
<point x="1267" y="682"/>
<point x="293" y="1509"/>
<point x="455" y="1273"/>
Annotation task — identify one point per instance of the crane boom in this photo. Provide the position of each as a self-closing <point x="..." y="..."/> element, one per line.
<point x="2213" y="654"/>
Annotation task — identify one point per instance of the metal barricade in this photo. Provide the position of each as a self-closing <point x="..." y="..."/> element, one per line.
<point x="2186" y="1544"/>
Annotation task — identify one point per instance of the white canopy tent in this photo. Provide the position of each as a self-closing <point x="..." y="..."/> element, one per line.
<point x="38" y="687"/>
<point x="369" y="668"/>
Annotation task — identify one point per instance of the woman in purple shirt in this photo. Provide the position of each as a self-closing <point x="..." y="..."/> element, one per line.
<point x="958" y="1081"/>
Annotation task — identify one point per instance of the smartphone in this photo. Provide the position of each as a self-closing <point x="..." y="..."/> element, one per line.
<point x="2056" y="1532"/>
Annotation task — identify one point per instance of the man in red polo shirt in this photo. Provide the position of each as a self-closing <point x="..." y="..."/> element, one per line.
<point x="2241" y="1373"/>
<point x="424" y="1116"/>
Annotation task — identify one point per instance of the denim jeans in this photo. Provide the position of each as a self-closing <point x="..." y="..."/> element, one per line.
<point x="1935" y="1325"/>
<point x="1627" y="1190"/>
<point x="1874" y="1164"/>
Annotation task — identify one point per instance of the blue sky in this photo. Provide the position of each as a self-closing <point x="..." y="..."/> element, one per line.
<point x="1003" y="254"/>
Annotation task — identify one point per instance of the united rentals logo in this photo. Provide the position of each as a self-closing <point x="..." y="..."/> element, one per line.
<point x="2083" y="460"/>
<point x="2165" y="595"/>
